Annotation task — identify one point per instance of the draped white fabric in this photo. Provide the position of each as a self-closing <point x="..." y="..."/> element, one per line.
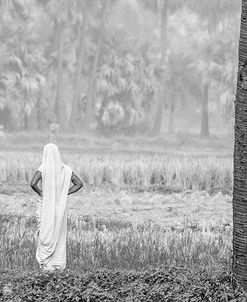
<point x="56" y="176"/>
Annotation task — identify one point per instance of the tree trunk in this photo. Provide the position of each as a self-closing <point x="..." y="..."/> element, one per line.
<point x="31" y="120"/>
<point x="204" y="109"/>
<point x="158" y="116"/>
<point x="204" y="113"/>
<point x="89" y="114"/>
<point x="76" y="92"/>
<point x="240" y="167"/>
<point x="171" y="128"/>
<point x="39" y="112"/>
<point x="5" y="118"/>
<point x="161" y="99"/>
<point x="59" y="104"/>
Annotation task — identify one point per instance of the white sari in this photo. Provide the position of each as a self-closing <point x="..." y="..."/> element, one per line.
<point x="52" y="211"/>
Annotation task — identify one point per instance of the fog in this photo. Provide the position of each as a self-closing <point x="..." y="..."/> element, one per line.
<point x="111" y="69"/>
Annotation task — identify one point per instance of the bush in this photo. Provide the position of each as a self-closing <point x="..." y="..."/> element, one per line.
<point x="153" y="284"/>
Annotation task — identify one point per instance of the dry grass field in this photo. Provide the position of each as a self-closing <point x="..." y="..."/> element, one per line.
<point x="169" y="210"/>
<point x="137" y="211"/>
<point x="139" y="170"/>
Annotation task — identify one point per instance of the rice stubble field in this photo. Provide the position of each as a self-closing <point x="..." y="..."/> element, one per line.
<point x="136" y="213"/>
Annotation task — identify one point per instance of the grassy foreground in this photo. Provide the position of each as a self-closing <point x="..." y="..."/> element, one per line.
<point x="120" y="261"/>
<point x="93" y="244"/>
<point x="152" y="284"/>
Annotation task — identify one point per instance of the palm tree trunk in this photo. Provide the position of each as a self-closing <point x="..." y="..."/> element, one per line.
<point x="76" y="92"/>
<point x="240" y="168"/>
<point x="204" y="109"/>
<point x="89" y="114"/>
<point x="204" y="113"/>
<point x="31" y="120"/>
<point x="158" y="116"/>
<point x="59" y="105"/>
<point x="39" y="112"/>
<point x="171" y="129"/>
<point x="161" y="99"/>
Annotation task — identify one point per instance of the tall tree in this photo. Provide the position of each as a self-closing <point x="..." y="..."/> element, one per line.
<point x="23" y="63"/>
<point x="163" y="42"/>
<point x="181" y="71"/>
<point x="163" y="10"/>
<point x="124" y="86"/>
<point x="183" y="90"/>
<point x="59" y="103"/>
<point x="62" y="16"/>
<point x="240" y="166"/>
<point x="79" y="63"/>
<point x="90" y="114"/>
<point x="213" y="13"/>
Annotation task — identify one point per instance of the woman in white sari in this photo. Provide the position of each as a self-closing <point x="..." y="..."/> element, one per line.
<point x="55" y="180"/>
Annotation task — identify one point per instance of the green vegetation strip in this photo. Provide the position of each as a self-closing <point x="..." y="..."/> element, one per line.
<point x="153" y="284"/>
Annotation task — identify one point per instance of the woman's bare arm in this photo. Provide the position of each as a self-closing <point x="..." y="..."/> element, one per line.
<point x="34" y="183"/>
<point x="77" y="184"/>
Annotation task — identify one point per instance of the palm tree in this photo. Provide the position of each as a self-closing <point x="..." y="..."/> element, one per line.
<point x="89" y="114"/>
<point x="62" y="15"/>
<point x="213" y="12"/>
<point x="22" y="63"/>
<point x="163" y="42"/>
<point x="239" y="167"/>
<point x="182" y="75"/>
<point x="83" y="11"/>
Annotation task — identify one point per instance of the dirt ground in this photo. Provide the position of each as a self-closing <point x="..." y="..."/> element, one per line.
<point x="170" y="210"/>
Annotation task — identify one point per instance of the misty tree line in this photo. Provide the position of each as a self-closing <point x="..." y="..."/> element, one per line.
<point x="115" y="65"/>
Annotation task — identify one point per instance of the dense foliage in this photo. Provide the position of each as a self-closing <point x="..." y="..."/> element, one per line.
<point x="115" y="66"/>
<point x="154" y="284"/>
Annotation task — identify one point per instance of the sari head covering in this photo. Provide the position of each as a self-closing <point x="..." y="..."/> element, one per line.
<point x="56" y="176"/>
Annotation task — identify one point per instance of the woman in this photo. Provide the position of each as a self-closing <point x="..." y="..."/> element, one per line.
<point x="55" y="178"/>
